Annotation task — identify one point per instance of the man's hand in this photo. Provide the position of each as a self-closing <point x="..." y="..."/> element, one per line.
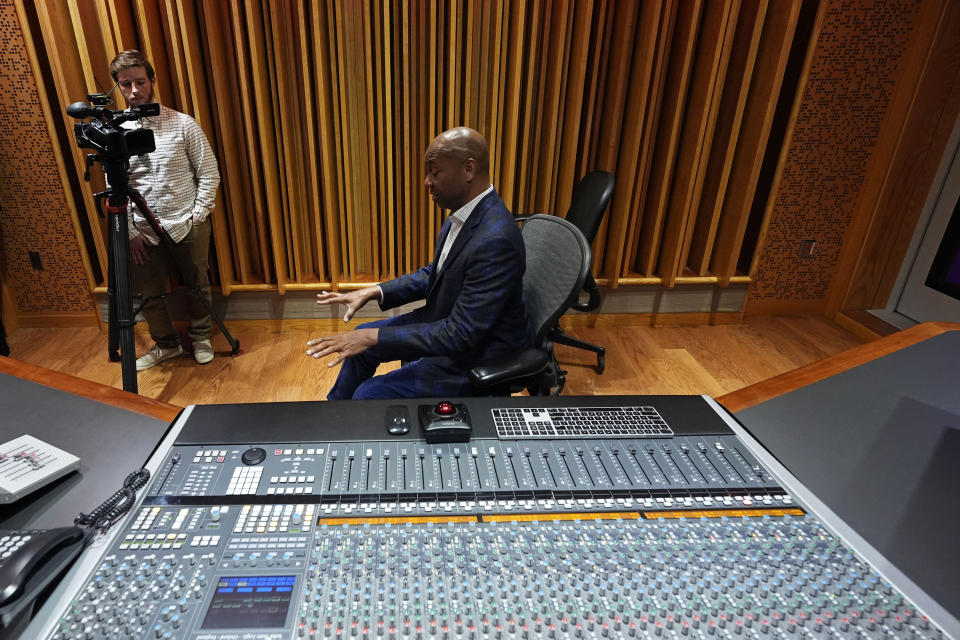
<point x="349" y="343"/>
<point x="353" y="300"/>
<point x="138" y="249"/>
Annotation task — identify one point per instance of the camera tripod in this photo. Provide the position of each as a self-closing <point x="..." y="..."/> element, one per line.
<point x="122" y="316"/>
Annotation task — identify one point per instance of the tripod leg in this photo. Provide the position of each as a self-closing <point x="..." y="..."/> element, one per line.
<point x="113" y="332"/>
<point x="234" y="343"/>
<point x="121" y="304"/>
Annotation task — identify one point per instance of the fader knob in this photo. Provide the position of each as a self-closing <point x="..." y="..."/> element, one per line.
<point x="254" y="455"/>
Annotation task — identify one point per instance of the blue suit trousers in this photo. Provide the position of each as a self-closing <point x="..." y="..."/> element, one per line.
<point x="426" y="377"/>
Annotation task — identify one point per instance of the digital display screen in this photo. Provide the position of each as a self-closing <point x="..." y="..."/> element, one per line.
<point x="257" y="602"/>
<point x="944" y="275"/>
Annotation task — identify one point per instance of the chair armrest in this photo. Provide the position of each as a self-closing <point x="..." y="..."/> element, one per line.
<point x="590" y="286"/>
<point x="508" y="367"/>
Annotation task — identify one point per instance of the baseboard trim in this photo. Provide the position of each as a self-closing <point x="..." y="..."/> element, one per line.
<point x="864" y="325"/>
<point x="282" y="325"/>
<point x="689" y="305"/>
<point x="785" y="308"/>
<point x="53" y="320"/>
<point x="651" y="319"/>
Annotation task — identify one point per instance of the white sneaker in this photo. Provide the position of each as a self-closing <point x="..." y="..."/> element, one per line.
<point x="156" y="355"/>
<point x="202" y="351"/>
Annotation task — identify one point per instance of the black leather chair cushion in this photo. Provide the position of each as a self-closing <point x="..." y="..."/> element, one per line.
<point x="509" y="367"/>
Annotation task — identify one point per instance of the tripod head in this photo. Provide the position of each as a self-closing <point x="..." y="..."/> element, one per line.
<point x="104" y="134"/>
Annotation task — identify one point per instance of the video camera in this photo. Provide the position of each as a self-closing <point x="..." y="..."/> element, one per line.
<point x="104" y="132"/>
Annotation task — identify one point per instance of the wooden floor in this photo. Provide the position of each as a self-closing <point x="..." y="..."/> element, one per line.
<point x="272" y="365"/>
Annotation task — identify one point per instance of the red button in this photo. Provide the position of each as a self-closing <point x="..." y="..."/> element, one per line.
<point x="445" y="409"/>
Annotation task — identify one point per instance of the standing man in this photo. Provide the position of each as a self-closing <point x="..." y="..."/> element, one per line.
<point x="179" y="182"/>
<point x="473" y="291"/>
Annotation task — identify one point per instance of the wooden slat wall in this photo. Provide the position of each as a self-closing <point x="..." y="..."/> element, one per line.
<point x="320" y="112"/>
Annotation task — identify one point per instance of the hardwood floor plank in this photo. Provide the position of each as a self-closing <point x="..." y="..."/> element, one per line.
<point x="272" y="365"/>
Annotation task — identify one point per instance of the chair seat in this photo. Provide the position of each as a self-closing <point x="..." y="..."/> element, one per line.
<point x="509" y="367"/>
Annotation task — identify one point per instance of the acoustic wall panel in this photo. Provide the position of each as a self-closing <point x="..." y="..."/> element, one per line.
<point x="34" y="212"/>
<point x="854" y="71"/>
<point x="319" y="113"/>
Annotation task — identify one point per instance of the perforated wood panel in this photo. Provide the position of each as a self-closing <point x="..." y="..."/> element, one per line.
<point x="33" y="208"/>
<point x="852" y="79"/>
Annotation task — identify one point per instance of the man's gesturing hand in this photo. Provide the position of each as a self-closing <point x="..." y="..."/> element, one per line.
<point x="344" y="345"/>
<point x="353" y="300"/>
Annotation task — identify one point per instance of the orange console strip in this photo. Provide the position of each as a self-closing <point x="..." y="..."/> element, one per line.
<point x="723" y="513"/>
<point x="500" y="517"/>
<point x="550" y="517"/>
<point x="335" y="522"/>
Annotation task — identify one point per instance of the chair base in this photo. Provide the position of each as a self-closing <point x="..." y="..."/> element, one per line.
<point x="560" y="337"/>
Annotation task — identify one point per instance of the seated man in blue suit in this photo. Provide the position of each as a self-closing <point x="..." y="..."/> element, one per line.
<point x="473" y="291"/>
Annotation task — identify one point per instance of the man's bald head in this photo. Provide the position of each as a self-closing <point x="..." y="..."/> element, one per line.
<point x="458" y="167"/>
<point x="462" y="143"/>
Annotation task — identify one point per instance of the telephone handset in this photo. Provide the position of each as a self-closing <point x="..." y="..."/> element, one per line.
<point x="29" y="561"/>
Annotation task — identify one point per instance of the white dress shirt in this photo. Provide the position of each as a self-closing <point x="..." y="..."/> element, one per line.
<point x="457" y="219"/>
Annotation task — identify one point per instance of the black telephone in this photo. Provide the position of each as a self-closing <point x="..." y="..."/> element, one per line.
<point x="29" y="561"/>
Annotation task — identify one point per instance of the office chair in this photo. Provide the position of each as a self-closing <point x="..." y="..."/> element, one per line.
<point x="589" y="202"/>
<point x="558" y="260"/>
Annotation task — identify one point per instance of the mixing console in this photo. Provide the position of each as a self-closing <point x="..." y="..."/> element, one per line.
<point x="677" y="536"/>
<point x="714" y="466"/>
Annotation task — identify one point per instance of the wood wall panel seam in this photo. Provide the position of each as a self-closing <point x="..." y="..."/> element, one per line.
<point x="724" y="251"/>
<point x="656" y="213"/>
<point x="660" y="39"/>
<point x="789" y="30"/>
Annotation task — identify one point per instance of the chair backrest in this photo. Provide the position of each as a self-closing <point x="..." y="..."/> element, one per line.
<point x="589" y="202"/>
<point x="558" y="259"/>
<point x="587" y="205"/>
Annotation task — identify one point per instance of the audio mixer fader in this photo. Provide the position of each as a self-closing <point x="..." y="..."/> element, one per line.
<point x="618" y="517"/>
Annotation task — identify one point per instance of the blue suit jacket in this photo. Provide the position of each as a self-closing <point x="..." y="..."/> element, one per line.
<point x="474" y="306"/>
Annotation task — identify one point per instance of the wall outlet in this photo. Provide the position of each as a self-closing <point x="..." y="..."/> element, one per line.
<point x="806" y="250"/>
